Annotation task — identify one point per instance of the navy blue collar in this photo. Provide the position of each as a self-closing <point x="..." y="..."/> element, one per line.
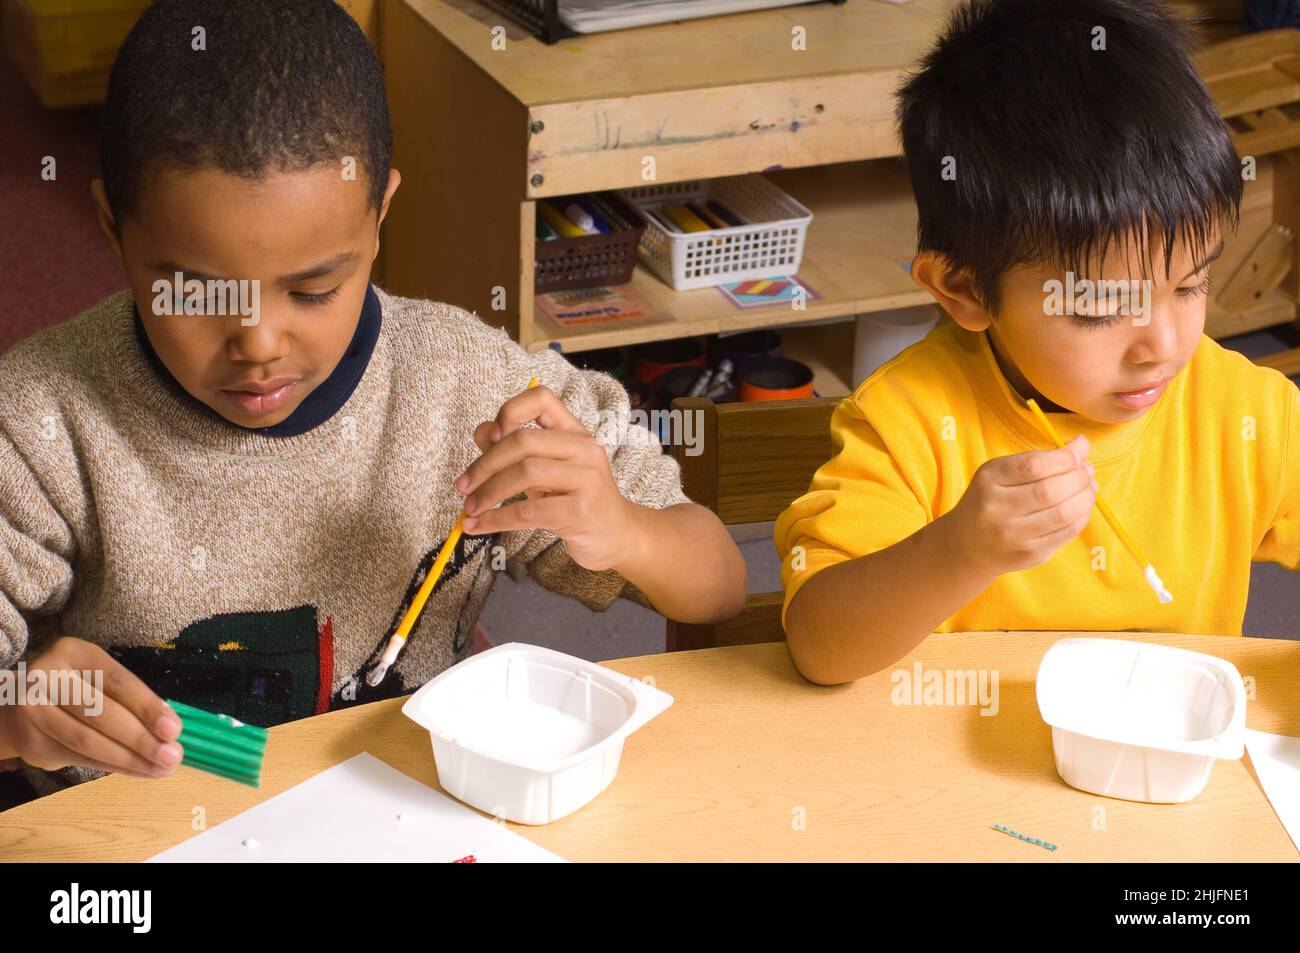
<point x="322" y="403"/>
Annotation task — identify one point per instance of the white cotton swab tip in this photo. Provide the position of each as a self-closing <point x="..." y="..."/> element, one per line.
<point x="391" y="651"/>
<point x="1157" y="586"/>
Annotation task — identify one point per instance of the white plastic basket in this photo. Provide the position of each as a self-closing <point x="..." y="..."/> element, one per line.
<point x="1138" y="721"/>
<point x="769" y="245"/>
<point x="528" y="733"/>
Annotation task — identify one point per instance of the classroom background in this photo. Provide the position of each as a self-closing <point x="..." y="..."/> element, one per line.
<point x="56" y="262"/>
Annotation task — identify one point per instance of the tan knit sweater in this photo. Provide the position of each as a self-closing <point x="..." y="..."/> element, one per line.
<point x="262" y="576"/>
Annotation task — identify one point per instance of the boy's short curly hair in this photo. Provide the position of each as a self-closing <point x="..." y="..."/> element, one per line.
<point x="273" y="86"/>
<point x="1071" y="126"/>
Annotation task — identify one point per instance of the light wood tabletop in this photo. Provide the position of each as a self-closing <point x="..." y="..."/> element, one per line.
<point x="753" y="763"/>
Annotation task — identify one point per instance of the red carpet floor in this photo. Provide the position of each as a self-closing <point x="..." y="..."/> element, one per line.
<point x="54" y="260"/>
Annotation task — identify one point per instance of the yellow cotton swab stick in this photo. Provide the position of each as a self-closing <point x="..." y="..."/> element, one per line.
<point x="1148" y="570"/>
<point x="399" y="637"/>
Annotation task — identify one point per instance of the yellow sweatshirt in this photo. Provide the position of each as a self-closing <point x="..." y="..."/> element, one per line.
<point x="1207" y="480"/>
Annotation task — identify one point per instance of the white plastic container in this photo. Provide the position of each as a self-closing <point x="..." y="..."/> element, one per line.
<point x="880" y="336"/>
<point x="1137" y="721"/>
<point x="528" y="733"/>
<point x="769" y="244"/>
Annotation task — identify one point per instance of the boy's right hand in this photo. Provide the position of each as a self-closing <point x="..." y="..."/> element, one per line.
<point x="1020" y="509"/>
<point x="126" y="728"/>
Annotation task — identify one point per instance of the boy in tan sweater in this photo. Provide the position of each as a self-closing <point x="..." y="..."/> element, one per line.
<point x="226" y="484"/>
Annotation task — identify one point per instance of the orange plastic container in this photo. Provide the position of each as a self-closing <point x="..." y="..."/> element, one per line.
<point x="775" y="378"/>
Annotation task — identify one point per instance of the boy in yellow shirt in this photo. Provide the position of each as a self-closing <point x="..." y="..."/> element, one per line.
<point x="1048" y="141"/>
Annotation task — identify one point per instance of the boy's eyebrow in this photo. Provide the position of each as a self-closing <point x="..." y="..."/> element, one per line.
<point x="315" y="271"/>
<point x="1214" y="253"/>
<point x="350" y="258"/>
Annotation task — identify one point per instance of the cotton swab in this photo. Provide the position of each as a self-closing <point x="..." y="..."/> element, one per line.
<point x="1149" y="571"/>
<point x="398" y="640"/>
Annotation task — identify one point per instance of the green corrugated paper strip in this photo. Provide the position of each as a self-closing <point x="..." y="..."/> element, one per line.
<point x="220" y="745"/>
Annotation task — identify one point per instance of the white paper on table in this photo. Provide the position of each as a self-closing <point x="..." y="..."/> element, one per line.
<point x="1276" y="759"/>
<point x="350" y="813"/>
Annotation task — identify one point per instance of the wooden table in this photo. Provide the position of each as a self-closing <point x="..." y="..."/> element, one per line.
<point x="754" y="763"/>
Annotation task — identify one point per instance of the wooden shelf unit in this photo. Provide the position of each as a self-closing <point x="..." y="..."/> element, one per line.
<point x="1255" y="83"/>
<point x="862" y="235"/>
<point x="827" y="348"/>
<point x="481" y="133"/>
<point x="487" y="120"/>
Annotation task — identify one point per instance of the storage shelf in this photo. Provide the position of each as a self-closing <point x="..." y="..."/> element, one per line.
<point x="482" y="131"/>
<point x="862" y="234"/>
<point x="827" y="348"/>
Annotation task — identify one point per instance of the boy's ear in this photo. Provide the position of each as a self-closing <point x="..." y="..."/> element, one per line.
<point x="106" y="221"/>
<point x="950" y="287"/>
<point x="394" y="180"/>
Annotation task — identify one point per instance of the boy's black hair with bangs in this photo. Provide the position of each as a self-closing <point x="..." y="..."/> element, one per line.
<point x="1060" y="149"/>
<point x="280" y="86"/>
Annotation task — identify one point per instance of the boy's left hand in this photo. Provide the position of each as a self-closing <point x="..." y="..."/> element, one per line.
<point x="563" y="472"/>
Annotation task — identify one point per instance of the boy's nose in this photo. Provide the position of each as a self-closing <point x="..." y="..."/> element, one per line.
<point x="262" y="343"/>
<point x="1156" y="341"/>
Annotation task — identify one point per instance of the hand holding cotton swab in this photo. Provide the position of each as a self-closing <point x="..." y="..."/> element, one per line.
<point x="1148" y="571"/>
<point x="398" y="638"/>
